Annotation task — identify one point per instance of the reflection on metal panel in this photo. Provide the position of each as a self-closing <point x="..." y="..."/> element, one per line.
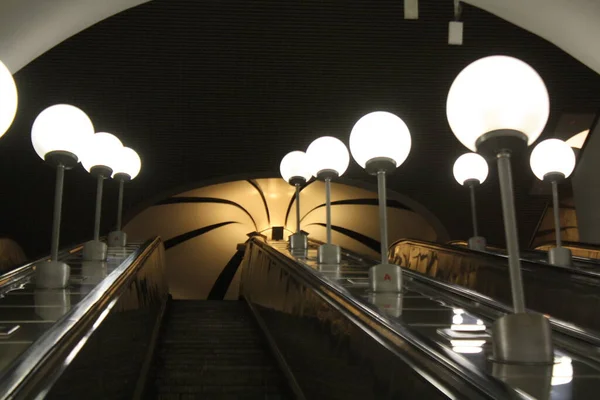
<point x="567" y="294"/>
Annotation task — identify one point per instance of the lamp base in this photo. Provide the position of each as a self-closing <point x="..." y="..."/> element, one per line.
<point x="522" y="338"/>
<point x="52" y="275"/>
<point x="477" y="243"/>
<point x="329" y="254"/>
<point x="298" y="241"/>
<point x="385" y="278"/>
<point x="535" y="380"/>
<point x="389" y="303"/>
<point x="58" y="300"/>
<point x="560" y="256"/>
<point x="117" y="239"/>
<point x="94" y="250"/>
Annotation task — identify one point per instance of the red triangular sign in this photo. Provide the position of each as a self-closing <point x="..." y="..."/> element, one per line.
<point x="387" y="277"/>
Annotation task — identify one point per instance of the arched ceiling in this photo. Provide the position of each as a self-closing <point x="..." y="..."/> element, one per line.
<point x="29" y="28"/>
<point x="209" y="89"/>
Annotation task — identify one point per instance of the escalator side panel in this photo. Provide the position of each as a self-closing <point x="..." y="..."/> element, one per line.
<point x="330" y="356"/>
<point x="113" y="361"/>
<point x="548" y="290"/>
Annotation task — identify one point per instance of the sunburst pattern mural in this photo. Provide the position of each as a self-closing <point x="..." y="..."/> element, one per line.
<point x="202" y="227"/>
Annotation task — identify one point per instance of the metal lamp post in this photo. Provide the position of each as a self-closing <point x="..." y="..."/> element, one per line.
<point x="380" y="142"/>
<point x="99" y="160"/>
<point x="127" y="167"/>
<point x="553" y="161"/>
<point x="8" y="99"/>
<point x="497" y="106"/>
<point x="59" y="136"/>
<point x="471" y="170"/>
<point x="295" y="170"/>
<point x="328" y="159"/>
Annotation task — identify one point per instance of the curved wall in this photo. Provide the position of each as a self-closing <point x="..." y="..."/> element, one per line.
<point x="202" y="227"/>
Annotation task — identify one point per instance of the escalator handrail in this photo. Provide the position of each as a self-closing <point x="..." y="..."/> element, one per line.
<point x="493" y="256"/>
<point x="15" y="275"/>
<point x="35" y="371"/>
<point x="593" y="262"/>
<point x="436" y="353"/>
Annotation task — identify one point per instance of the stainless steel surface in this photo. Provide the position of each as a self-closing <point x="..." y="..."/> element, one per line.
<point x="297" y="207"/>
<point x="300" y="303"/>
<point x="298" y="241"/>
<point x="52" y="275"/>
<point x="52" y="320"/>
<point x="566" y="294"/>
<point x="95" y="250"/>
<point x="120" y="204"/>
<point x="437" y="310"/>
<point x="510" y="229"/>
<point x="98" y="213"/>
<point x="328" y="208"/>
<point x="58" y="192"/>
<point x="385" y="278"/>
<point x="556" y="209"/>
<point x="383" y="229"/>
<point x="560" y="256"/>
<point x="329" y="254"/>
<point x="522" y="338"/>
<point x="117" y="239"/>
<point x="473" y="210"/>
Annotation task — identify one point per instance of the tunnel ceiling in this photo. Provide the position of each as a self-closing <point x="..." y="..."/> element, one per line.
<point x="210" y="89"/>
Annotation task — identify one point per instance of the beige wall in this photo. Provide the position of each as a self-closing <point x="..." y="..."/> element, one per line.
<point x="195" y="264"/>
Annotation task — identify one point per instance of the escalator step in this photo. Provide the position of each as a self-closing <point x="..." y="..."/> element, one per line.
<point x="214" y="350"/>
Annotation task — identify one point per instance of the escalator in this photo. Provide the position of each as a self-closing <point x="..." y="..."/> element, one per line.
<point x="214" y="349"/>
<point x="569" y="295"/>
<point x="294" y="333"/>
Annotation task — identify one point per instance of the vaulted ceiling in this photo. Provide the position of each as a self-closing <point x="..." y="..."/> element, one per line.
<point x="205" y="90"/>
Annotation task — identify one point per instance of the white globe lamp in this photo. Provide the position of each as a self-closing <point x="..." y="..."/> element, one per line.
<point x="59" y="136"/>
<point x="497" y="106"/>
<point x="380" y="142"/>
<point x="127" y="166"/>
<point x="295" y="170"/>
<point x="552" y="161"/>
<point x="471" y="170"/>
<point x="99" y="159"/>
<point x="8" y="99"/>
<point x="328" y="159"/>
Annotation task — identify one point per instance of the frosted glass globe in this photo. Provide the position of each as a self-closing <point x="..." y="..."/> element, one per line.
<point x="8" y="99"/>
<point x="497" y="92"/>
<point x="102" y="149"/>
<point x="470" y="166"/>
<point x="380" y="134"/>
<point x="61" y="127"/>
<point x="295" y="164"/>
<point x="552" y="155"/>
<point x="128" y="162"/>
<point x="328" y="153"/>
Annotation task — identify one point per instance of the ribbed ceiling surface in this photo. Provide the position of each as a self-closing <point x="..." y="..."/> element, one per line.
<point x="209" y="89"/>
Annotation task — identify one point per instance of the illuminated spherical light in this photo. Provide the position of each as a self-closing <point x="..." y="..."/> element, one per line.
<point x="295" y="164"/>
<point x="470" y="166"/>
<point x="102" y="149"/>
<point x="552" y="156"/>
<point x="8" y="99"/>
<point x="61" y="128"/>
<point x="327" y="153"/>
<point x="380" y="134"/>
<point x="497" y="92"/>
<point x="128" y="162"/>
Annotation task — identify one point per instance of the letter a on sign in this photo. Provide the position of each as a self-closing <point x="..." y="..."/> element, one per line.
<point x="387" y="277"/>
